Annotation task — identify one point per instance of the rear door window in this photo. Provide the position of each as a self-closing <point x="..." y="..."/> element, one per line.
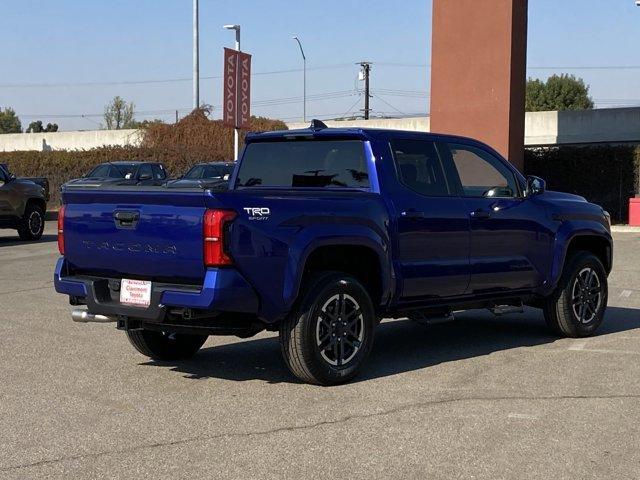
<point x="419" y="168"/>
<point x="304" y="163"/>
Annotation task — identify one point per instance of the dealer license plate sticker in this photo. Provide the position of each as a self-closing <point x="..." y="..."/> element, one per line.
<point x="135" y="292"/>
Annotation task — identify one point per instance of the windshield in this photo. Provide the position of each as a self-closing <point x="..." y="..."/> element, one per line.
<point x="112" y="170"/>
<point x="305" y="163"/>
<point x="208" y="171"/>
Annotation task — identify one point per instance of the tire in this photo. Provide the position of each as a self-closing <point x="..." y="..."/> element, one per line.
<point x="163" y="346"/>
<point x="583" y="282"/>
<point x="32" y="223"/>
<point x="312" y="336"/>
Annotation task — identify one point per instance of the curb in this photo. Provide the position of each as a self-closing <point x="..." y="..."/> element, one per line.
<point x="625" y="229"/>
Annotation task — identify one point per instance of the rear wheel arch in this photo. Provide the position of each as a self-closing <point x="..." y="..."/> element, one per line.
<point x="39" y="202"/>
<point x="360" y="261"/>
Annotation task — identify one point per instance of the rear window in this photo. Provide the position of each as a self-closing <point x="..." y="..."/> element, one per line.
<point x="304" y="163"/>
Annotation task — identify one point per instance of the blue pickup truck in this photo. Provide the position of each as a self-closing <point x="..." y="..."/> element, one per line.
<point x="322" y="233"/>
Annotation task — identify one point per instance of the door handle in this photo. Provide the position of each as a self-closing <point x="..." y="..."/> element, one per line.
<point x="412" y="214"/>
<point x="479" y="213"/>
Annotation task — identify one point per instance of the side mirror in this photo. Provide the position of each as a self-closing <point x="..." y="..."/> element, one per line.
<point x="145" y="177"/>
<point x="535" y="186"/>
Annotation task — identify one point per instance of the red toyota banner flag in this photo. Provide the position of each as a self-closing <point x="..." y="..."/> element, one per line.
<point x="237" y="88"/>
<point x="244" y="90"/>
<point x="230" y="79"/>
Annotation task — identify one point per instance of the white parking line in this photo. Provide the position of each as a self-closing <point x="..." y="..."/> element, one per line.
<point x="522" y="416"/>
<point x="603" y="350"/>
<point x="578" y="345"/>
<point x="625" y="293"/>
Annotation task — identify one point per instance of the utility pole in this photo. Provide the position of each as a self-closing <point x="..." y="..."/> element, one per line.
<point x="196" y="57"/>
<point x="364" y="75"/>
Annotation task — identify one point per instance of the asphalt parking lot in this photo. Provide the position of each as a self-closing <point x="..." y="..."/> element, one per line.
<point x="481" y="397"/>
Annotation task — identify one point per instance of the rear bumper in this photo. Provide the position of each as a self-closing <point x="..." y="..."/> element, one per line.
<point x="223" y="290"/>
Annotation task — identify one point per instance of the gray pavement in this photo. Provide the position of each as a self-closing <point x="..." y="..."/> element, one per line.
<point x="481" y="397"/>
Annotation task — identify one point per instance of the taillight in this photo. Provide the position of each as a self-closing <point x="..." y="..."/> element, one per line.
<point x="61" y="230"/>
<point x="214" y="232"/>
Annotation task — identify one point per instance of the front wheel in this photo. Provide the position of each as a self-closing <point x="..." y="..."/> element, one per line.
<point x="576" y="308"/>
<point x="165" y="346"/>
<point x="326" y="340"/>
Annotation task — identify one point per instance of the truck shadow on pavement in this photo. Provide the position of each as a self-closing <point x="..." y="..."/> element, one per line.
<point x="400" y="346"/>
<point x="15" y="240"/>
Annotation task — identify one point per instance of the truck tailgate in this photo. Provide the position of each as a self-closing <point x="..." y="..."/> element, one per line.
<point x="132" y="233"/>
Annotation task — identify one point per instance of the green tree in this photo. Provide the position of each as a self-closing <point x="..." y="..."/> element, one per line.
<point x="119" y="113"/>
<point x="145" y="123"/>
<point x="36" y="127"/>
<point x="9" y="121"/>
<point x="558" y="92"/>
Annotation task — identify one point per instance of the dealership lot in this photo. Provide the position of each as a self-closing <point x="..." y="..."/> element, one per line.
<point x="481" y="397"/>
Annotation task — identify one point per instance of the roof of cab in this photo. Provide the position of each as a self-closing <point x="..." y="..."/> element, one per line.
<point x="352" y="132"/>
<point x="129" y="162"/>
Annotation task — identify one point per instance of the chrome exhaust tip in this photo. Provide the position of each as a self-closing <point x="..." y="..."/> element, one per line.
<point x="83" y="316"/>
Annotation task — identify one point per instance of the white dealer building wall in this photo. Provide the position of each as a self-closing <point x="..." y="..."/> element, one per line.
<point x="81" y="140"/>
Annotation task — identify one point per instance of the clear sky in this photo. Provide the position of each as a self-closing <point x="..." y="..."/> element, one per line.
<point x="68" y="58"/>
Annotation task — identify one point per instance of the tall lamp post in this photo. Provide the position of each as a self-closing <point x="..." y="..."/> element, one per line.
<point x="236" y="135"/>
<point x="196" y="57"/>
<point x="304" y="80"/>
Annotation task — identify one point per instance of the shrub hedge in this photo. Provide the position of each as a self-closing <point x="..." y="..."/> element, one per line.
<point x="603" y="174"/>
<point x="193" y="139"/>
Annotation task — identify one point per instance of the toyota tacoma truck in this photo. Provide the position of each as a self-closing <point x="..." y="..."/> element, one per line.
<point x="322" y="233"/>
<point x="23" y="203"/>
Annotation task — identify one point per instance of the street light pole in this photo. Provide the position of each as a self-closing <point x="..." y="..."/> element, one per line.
<point x="304" y="80"/>
<point x="196" y="57"/>
<point x="236" y="134"/>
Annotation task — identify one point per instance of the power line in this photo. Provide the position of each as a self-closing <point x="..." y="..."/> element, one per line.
<point x="166" y="80"/>
<point x="259" y="103"/>
<point x="532" y="67"/>
<point x="379" y="97"/>
<point x="290" y="70"/>
<point x="350" y="109"/>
